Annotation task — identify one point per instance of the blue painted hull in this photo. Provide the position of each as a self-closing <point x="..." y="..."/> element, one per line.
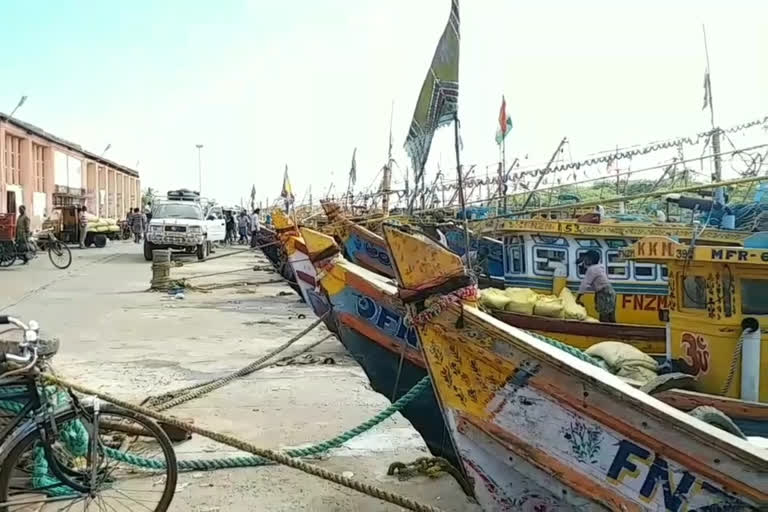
<point x="381" y="365"/>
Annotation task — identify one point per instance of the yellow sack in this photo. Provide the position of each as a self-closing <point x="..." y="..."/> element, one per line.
<point x="521" y="300"/>
<point x="493" y="298"/>
<point x="549" y="305"/>
<point x="626" y="361"/>
<point x="591" y="320"/>
<point x="571" y="309"/>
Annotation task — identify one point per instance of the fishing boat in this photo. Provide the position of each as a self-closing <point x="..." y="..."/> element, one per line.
<point x="301" y="267"/>
<point x="363" y="247"/>
<point x="371" y="325"/>
<point x="360" y="245"/>
<point x="717" y="305"/>
<point x="536" y="253"/>
<point x="540" y="428"/>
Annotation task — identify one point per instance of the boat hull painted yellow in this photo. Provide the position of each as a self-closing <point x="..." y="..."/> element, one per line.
<point x="538" y="429"/>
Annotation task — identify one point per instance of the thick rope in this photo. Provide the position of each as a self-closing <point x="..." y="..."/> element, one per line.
<point x="239" y="444"/>
<point x="77" y="439"/>
<point x="172" y="398"/>
<point x="735" y="360"/>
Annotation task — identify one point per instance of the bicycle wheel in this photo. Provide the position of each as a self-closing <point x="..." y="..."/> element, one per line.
<point x="130" y="465"/>
<point x="59" y="254"/>
<point x="7" y="254"/>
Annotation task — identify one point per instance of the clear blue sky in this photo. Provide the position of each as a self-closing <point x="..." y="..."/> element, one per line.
<point x="263" y="84"/>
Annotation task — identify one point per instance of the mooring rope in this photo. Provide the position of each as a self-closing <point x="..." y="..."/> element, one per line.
<point x="181" y="395"/>
<point x="271" y="455"/>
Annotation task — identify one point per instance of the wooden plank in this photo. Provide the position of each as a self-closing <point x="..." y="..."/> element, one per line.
<point x="736" y="409"/>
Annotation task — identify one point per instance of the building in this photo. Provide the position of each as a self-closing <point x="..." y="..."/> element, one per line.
<point x="40" y="171"/>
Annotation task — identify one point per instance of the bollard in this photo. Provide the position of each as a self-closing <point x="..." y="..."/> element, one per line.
<point x="161" y="269"/>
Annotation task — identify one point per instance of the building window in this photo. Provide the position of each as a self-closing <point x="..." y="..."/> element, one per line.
<point x="38" y="156"/>
<point x="12" y="158"/>
<point x="694" y="292"/>
<point x="754" y="300"/>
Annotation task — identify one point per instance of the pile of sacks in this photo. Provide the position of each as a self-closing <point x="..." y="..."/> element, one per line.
<point x="99" y="225"/>
<point x="527" y="302"/>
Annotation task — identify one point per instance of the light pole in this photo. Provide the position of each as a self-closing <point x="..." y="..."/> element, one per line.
<point x="18" y="106"/>
<point x="199" y="168"/>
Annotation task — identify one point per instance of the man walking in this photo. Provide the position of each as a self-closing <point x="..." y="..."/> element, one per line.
<point x="22" y="234"/>
<point x="138" y="225"/>
<point x="83" y="225"/>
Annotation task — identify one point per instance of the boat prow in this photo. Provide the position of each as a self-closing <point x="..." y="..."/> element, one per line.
<point x="540" y="425"/>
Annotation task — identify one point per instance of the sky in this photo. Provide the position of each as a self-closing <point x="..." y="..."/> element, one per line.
<point x="302" y="83"/>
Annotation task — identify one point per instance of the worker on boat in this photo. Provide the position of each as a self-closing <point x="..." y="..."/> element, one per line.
<point x="596" y="280"/>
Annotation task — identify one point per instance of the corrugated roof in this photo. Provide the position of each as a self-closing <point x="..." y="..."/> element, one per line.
<point x="30" y="128"/>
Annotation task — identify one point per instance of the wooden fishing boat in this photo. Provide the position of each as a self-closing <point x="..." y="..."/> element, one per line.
<point x="538" y="428"/>
<point x="537" y="253"/>
<point x="718" y="299"/>
<point x="301" y="267"/>
<point x="371" y="325"/>
<point x="368" y="249"/>
<point x="360" y="245"/>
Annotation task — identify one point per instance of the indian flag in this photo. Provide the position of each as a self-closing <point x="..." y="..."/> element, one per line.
<point x="505" y="122"/>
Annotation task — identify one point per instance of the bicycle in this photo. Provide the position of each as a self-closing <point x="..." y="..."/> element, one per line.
<point x="59" y="452"/>
<point x="58" y="252"/>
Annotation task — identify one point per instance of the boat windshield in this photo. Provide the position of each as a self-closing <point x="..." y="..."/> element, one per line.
<point x="178" y="210"/>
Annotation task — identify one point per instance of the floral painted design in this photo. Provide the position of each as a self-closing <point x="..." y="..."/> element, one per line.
<point x="585" y="441"/>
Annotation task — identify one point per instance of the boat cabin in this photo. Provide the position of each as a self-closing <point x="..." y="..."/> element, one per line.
<point x="717" y="310"/>
<point x="536" y="252"/>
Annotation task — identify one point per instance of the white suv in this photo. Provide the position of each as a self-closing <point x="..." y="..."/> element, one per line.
<point x="182" y="225"/>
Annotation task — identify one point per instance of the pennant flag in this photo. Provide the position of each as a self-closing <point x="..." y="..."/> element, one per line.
<point x="505" y="122"/>
<point x="438" y="99"/>
<point x="353" y="169"/>
<point x="287" y="192"/>
<point x="707" y="91"/>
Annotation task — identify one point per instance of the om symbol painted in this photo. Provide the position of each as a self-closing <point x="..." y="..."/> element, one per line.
<point x="696" y="353"/>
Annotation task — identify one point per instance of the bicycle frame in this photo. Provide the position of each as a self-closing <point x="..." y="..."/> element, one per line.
<point x="44" y="421"/>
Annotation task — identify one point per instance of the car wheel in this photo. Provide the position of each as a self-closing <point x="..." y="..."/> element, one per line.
<point x="148" y="248"/>
<point x="202" y="251"/>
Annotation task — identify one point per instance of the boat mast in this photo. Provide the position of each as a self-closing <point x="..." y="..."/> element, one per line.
<point x="462" y="202"/>
<point x="386" y="181"/>
<point x="717" y="174"/>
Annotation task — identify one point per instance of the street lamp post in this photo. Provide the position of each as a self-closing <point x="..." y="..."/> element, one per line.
<point x="18" y="106"/>
<point x="199" y="168"/>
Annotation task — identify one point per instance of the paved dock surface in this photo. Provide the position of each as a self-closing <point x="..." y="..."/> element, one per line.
<point x="120" y="338"/>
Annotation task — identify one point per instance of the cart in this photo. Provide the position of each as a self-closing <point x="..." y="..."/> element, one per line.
<point x="65" y="225"/>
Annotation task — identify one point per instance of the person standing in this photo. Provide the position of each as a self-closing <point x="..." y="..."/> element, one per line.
<point x="230" y="226"/>
<point x="596" y="280"/>
<point x="83" y="220"/>
<point x="23" y="233"/>
<point x="255" y="226"/>
<point x="243" y="227"/>
<point x="138" y="225"/>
